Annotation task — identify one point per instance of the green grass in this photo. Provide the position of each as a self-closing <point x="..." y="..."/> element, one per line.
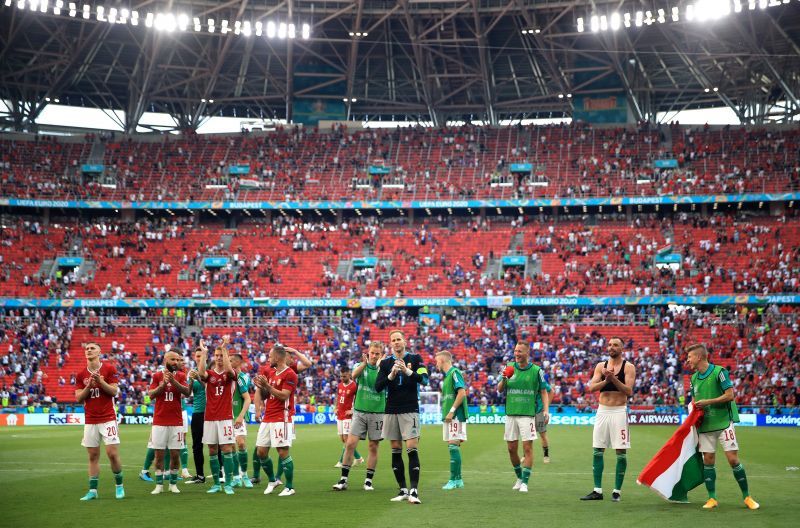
<point x="43" y="474"/>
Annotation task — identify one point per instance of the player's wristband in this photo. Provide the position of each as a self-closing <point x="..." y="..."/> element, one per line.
<point x="453" y="410"/>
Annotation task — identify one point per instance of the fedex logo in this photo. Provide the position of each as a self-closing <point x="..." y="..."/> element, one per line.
<point x="65" y="419"/>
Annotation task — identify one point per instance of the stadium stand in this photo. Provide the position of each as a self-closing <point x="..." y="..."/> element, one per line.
<point x="291" y="257"/>
<point x="723" y="252"/>
<point x="41" y="350"/>
<point x="576" y="160"/>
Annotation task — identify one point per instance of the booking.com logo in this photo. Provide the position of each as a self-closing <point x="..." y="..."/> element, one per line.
<point x="783" y="420"/>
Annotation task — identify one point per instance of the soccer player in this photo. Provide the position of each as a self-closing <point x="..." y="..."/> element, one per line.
<point x="367" y="420"/>
<point x="345" y="394"/>
<point x="149" y="457"/>
<point x="277" y="383"/>
<point x="522" y="381"/>
<point x="712" y="391"/>
<point x="401" y="374"/>
<point x="167" y="388"/>
<point x="96" y="387"/>
<point x="218" y="425"/>
<point x="298" y="362"/>
<point x="614" y="379"/>
<point x="198" y="419"/>
<point x="454" y="415"/>
<point x="144" y="474"/>
<point x="241" y="406"/>
<point x="258" y="404"/>
<point x="184" y="452"/>
<point x="542" y="421"/>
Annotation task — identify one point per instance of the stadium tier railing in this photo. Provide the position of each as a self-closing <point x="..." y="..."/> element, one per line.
<point x="494" y="301"/>
<point x="522" y="320"/>
<point x="788" y="194"/>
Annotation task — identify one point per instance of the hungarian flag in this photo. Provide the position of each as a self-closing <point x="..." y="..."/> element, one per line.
<point x="677" y="468"/>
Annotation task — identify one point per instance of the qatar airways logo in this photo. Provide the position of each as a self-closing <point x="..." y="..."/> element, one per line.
<point x="654" y="419"/>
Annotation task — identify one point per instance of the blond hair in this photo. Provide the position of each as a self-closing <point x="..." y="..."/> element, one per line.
<point x="699" y="348"/>
<point x="445" y="354"/>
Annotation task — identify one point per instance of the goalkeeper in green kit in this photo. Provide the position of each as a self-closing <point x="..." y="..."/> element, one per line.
<point x="522" y="381"/>
<point x="454" y="415"/>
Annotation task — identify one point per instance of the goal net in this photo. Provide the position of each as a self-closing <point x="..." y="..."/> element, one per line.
<point x="430" y="406"/>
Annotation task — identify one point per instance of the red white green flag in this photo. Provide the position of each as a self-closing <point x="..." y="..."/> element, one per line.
<point x="677" y="468"/>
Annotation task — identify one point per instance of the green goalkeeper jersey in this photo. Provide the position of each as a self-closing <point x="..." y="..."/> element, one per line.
<point x="521" y="390"/>
<point x="452" y="382"/>
<point x="368" y="400"/>
<point x="242" y="387"/>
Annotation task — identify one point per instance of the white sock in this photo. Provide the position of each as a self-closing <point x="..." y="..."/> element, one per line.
<point x="599" y="490"/>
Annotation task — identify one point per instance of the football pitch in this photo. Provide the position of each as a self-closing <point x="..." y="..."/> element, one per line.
<point x="43" y="474"/>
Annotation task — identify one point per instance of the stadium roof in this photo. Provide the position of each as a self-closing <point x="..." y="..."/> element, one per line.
<point x="430" y="60"/>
